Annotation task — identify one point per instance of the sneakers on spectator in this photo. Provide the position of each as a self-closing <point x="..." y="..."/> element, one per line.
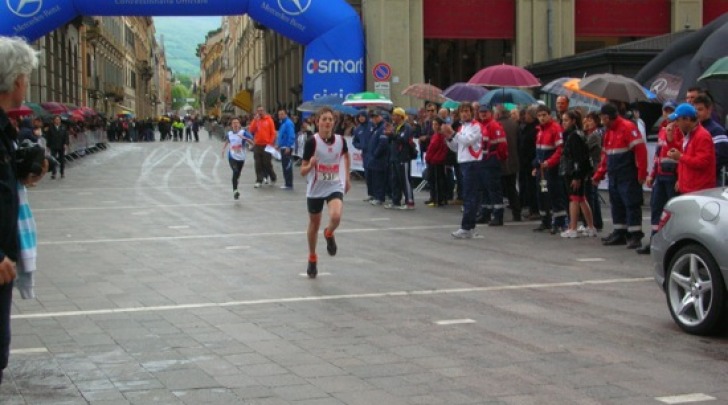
<point x="581" y="229"/>
<point x="375" y="202"/>
<point x="570" y="233"/>
<point x="368" y="199"/>
<point x="406" y="207"/>
<point x="431" y="204"/>
<point x="257" y="185"/>
<point x="236" y="194"/>
<point x="390" y="206"/>
<point x="591" y="232"/>
<point x="266" y="180"/>
<point x="462" y="234"/>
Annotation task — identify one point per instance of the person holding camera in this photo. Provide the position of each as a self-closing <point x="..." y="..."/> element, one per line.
<point x="19" y="60"/>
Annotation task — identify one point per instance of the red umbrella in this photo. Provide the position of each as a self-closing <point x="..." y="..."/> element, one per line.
<point x="87" y="111"/>
<point x="54" y="107"/>
<point x="22" y="111"/>
<point x="504" y="76"/>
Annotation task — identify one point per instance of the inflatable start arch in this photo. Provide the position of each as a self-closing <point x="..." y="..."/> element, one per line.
<point x="330" y="29"/>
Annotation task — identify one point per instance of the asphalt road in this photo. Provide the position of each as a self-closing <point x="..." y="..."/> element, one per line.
<point x="155" y="286"/>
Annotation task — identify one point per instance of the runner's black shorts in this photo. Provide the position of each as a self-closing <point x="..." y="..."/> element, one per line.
<point x="316" y="205"/>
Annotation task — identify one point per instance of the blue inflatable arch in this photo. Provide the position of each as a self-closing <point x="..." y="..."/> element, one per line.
<point x="330" y="30"/>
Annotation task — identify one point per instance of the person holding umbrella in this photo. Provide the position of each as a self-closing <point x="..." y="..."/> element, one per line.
<point x="625" y="160"/>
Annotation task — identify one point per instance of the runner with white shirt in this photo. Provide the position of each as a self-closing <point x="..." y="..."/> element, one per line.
<point x="326" y="166"/>
<point x="235" y="145"/>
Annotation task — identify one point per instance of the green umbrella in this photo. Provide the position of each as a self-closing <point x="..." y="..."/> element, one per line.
<point x="38" y="111"/>
<point x="368" y="99"/>
<point x="718" y="70"/>
<point x="450" y="104"/>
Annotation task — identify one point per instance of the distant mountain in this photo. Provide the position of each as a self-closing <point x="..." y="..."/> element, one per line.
<point x="181" y="37"/>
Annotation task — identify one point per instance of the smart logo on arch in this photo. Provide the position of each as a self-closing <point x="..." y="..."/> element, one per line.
<point x="334" y="66"/>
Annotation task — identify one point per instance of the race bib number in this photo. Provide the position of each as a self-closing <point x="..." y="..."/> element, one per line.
<point x="328" y="172"/>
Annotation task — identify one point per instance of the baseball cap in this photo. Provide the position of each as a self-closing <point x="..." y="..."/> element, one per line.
<point x="374" y="113"/>
<point x="682" y="111"/>
<point x="400" y="111"/>
<point x="484" y="107"/>
<point x="668" y="105"/>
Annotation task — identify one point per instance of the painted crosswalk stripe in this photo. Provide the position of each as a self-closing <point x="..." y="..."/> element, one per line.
<point x="591" y="259"/>
<point x="237" y="247"/>
<point x="178" y="227"/>
<point x="319" y="274"/>
<point x="685" y="398"/>
<point x="454" y="321"/>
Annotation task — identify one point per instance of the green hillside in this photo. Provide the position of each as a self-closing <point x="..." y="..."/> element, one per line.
<point x="181" y="37"/>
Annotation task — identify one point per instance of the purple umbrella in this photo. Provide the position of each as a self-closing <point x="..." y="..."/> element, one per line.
<point x="464" y="92"/>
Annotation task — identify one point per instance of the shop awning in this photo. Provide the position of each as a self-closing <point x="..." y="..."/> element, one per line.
<point x="244" y="101"/>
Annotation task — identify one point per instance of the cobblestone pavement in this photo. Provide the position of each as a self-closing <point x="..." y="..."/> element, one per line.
<point x="155" y="286"/>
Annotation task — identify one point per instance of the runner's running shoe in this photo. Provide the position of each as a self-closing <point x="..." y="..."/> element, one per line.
<point x="330" y="242"/>
<point x="312" y="271"/>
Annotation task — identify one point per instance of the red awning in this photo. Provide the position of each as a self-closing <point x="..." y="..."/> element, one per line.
<point x="481" y="19"/>
<point x="713" y="9"/>
<point x="622" y="18"/>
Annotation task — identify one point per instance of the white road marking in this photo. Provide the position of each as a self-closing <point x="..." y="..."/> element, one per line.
<point x="686" y="398"/>
<point x="389" y="294"/>
<point x="591" y="259"/>
<point x="33" y="350"/>
<point x="179" y="227"/>
<point x="233" y="235"/>
<point x="138" y="207"/>
<point x="454" y="322"/>
<point x="379" y="219"/>
<point x="237" y="247"/>
<point x="319" y="274"/>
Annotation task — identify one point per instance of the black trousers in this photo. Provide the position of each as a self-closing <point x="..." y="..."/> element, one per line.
<point x="60" y="156"/>
<point x="263" y="164"/>
<point x="438" y="184"/>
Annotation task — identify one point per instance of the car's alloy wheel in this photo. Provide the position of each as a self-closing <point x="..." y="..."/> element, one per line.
<point x="695" y="291"/>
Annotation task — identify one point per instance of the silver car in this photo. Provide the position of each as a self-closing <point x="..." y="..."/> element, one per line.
<point x="690" y="252"/>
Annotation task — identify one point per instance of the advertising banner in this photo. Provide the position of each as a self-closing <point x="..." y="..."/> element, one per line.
<point x="331" y="30"/>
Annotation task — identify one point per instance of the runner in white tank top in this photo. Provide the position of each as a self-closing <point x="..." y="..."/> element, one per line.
<point x="236" y="152"/>
<point x="326" y="167"/>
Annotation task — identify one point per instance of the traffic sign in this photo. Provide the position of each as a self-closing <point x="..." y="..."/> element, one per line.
<point x="382" y="72"/>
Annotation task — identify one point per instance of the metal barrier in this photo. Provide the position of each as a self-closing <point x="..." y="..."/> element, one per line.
<point x="85" y="142"/>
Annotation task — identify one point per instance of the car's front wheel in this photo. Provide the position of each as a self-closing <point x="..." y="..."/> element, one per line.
<point x="695" y="291"/>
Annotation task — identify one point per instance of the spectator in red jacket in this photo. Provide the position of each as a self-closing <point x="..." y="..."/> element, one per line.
<point x="435" y="158"/>
<point x="696" y="165"/>
<point x="625" y="159"/>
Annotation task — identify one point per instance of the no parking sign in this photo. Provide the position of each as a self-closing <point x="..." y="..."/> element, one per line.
<point x="382" y="72"/>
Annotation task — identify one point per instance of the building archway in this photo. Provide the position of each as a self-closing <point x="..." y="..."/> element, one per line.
<point x="330" y="30"/>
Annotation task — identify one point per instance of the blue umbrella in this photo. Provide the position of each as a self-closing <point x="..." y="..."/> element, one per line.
<point x="506" y="95"/>
<point x="345" y="109"/>
<point x="464" y="92"/>
<point x="330" y="100"/>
